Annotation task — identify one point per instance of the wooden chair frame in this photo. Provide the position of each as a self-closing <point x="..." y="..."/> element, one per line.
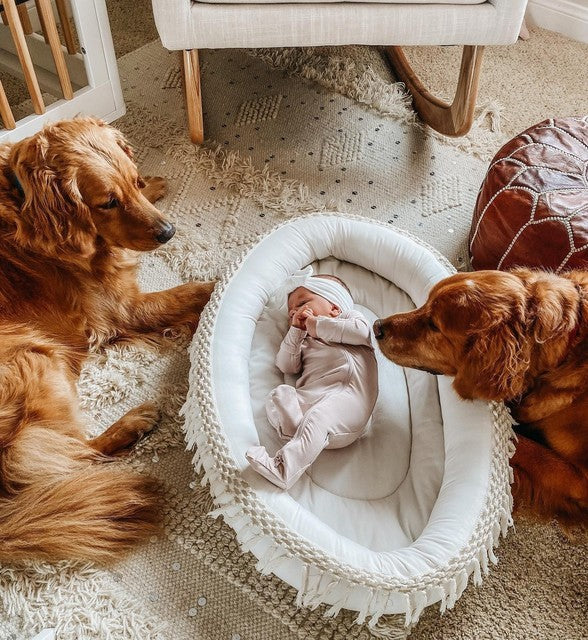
<point x="453" y="119"/>
<point x="193" y="93"/>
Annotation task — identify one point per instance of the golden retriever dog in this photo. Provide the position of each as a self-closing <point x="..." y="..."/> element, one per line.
<point x="519" y="337"/>
<point x="73" y="214"/>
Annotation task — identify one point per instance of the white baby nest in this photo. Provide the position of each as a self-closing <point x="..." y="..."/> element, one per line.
<point x="398" y="520"/>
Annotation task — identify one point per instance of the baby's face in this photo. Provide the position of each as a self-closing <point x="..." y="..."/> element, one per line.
<point x="302" y="298"/>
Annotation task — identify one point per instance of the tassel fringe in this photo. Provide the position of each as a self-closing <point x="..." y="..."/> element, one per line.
<point x="321" y="577"/>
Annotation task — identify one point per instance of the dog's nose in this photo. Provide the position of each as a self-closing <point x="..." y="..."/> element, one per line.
<point x="166" y="232"/>
<point x="378" y="330"/>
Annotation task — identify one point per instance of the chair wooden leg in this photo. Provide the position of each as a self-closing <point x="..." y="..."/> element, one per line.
<point x="453" y="119"/>
<point x="193" y="95"/>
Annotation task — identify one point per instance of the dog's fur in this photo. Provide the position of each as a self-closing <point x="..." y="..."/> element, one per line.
<point x="72" y="206"/>
<point x="520" y="337"/>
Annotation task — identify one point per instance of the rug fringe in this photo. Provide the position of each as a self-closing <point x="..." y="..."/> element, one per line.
<point x="360" y="82"/>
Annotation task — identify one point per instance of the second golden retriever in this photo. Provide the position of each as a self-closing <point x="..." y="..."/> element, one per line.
<point x="519" y="337"/>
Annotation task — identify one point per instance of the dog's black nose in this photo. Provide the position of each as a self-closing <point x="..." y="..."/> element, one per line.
<point x="166" y="232"/>
<point x="378" y="330"/>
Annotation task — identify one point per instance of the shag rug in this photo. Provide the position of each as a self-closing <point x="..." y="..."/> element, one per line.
<point x="290" y="132"/>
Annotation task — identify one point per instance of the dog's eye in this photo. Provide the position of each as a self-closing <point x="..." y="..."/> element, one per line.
<point x="140" y="182"/>
<point x="433" y="326"/>
<point x="111" y="204"/>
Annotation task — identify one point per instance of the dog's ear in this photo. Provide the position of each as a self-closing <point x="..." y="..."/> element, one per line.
<point x="494" y="363"/>
<point x="53" y="219"/>
<point x="553" y="303"/>
<point x="555" y="311"/>
<point x="123" y="143"/>
<point x="497" y="348"/>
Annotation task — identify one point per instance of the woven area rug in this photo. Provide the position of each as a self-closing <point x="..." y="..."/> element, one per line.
<point x="290" y="132"/>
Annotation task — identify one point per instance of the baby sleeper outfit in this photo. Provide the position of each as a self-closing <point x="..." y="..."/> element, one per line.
<point x="334" y="397"/>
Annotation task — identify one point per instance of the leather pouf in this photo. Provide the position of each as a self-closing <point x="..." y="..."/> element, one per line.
<point x="532" y="209"/>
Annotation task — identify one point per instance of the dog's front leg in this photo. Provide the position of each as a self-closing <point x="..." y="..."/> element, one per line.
<point x="543" y="403"/>
<point x="552" y="393"/>
<point x="169" y="309"/>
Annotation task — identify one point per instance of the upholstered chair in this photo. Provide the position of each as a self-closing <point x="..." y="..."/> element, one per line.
<point x="190" y="25"/>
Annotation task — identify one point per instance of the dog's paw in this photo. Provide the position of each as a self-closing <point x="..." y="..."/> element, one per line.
<point x="196" y="295"/>
<point x="124" y="433"/>
<point x="155" y="188"/>
<point x="142" y="419"/>
<point x="206" y="289"/>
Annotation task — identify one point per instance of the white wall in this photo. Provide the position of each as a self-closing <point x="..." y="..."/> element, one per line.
<point x="569" y="17"/>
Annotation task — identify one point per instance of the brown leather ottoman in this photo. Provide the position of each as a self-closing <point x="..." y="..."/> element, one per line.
<point x="532" y="208"/>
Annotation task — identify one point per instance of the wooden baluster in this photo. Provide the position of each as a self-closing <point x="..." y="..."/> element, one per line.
<point x="66" y="26"/>
<point x="5" y="110"/>
<point x="23" y="55"/>
<point x="23" y="12"/>
<point x="43" y="28"/>
<point x="44" y="7"/>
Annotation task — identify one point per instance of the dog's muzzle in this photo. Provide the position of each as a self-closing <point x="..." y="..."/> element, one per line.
<point x="378" y="329"/>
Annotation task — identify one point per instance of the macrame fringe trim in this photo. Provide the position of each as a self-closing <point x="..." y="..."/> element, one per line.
<point x="236" y="504"/>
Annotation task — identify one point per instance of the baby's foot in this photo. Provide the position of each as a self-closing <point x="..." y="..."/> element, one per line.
<point x="265" y="465"/>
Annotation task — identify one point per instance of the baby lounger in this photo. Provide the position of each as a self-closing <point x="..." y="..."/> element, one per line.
<point x="401" y="518"/>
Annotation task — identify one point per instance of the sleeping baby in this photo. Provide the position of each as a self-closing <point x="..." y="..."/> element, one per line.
<point x="329" y="344"/>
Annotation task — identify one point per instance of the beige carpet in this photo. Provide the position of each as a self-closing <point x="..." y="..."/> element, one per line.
<point x="286" y="146"/>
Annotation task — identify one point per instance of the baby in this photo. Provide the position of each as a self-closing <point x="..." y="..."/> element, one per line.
<point x="329" y="343"/>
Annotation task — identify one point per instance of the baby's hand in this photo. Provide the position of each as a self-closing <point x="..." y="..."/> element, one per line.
<point x="298" y="318"/>
<point x="311" y="325"/>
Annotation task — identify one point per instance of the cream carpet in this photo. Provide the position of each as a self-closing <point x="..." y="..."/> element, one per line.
<point x="290" y="132"/>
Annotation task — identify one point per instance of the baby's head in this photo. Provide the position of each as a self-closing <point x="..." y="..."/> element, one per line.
<point x="323" y="294"/>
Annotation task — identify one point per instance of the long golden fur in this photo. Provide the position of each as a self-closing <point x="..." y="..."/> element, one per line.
<point x="72" y="207"/>
<point x="520" y="337"/>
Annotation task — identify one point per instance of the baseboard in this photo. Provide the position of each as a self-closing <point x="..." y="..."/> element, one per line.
<point x="569" y="17"/>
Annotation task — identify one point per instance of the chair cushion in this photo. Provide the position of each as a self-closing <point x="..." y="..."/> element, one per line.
<point x="216" y="25"/>
<point x="338" y="1"/>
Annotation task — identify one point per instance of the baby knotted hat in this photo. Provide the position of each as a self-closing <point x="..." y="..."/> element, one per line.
<point x="329" y="289"/>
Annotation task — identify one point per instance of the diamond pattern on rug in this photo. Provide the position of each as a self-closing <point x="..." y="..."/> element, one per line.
<point x="235" y="233"/>
<point x="173" y="78"/>
<point x="228" y="214"/>
<point x="259" y="110"/>
<point x="341" y="148"/>
<point x="202" y="210"/>
<point x="441" y="195"/>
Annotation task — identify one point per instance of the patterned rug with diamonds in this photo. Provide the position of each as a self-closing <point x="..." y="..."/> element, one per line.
<point x="289" y="132"/>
